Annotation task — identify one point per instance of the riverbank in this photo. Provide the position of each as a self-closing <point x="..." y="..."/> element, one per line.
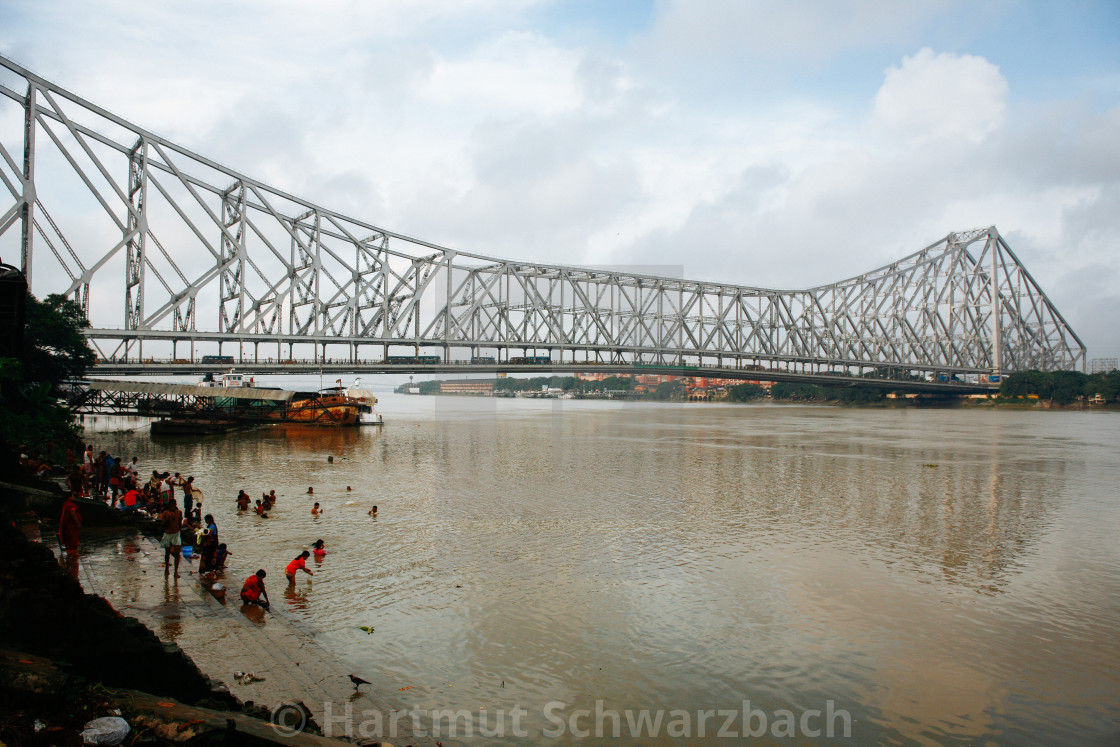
<point x="919" y="401"/>
<point x="106" y="634"/>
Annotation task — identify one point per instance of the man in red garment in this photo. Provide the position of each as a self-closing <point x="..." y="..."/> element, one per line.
<point x="69" y="524"/>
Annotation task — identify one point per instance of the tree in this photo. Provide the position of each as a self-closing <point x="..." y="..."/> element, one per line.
<point x="745" y="392"/>
<point x="787" y="390"/>
<point x="54" y="350"/>
<point x="54" y="347"/>
<point x="670" y="389"/>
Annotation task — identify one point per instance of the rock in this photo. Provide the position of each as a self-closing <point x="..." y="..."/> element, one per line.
<point x="109" y="730"/>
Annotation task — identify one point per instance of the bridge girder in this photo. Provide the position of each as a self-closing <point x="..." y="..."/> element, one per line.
<point x="260" y="265"/>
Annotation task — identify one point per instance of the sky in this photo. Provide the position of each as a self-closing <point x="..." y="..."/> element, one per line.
<point x="769" y="144"/>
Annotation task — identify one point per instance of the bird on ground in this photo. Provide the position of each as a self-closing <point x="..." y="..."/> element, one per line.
<point x="358" y="681"/>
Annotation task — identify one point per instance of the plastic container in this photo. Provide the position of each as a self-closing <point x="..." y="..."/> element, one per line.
<point x="188" y="551"/>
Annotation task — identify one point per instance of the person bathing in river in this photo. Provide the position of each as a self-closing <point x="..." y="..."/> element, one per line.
<point x="373" y="511"/>
<point x="209" y="560"/>
<point x="188" y="492"/>
<point x="131" y="499"/>
<point x="172" y="543"/>
<point x="298" y="564"/>
<point x="311" y="491"/>
<point x="272" y="497"/>
<point x="243" y="501"/>
<point x="318" y="549"/>
<point x="260" y="509"/>
<point x="253" y="589"/>
<point x="315" y="509"/>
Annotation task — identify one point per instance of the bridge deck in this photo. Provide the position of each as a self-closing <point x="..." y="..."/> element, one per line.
<point x="338" y="367"/>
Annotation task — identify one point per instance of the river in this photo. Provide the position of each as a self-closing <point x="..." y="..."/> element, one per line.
<point x="893" y="576"/>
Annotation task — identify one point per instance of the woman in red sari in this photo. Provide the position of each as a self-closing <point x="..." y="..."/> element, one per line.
<point x="69" y="524"/>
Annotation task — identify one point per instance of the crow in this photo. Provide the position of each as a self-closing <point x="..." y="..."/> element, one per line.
<point x="358" y="681"/>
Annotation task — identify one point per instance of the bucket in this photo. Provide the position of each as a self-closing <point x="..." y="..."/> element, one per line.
<point x="188" y="551"/>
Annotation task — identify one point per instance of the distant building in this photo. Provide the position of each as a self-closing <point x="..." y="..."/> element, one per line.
<point x="467" y="386"/>
<point x="1102" y="365"/>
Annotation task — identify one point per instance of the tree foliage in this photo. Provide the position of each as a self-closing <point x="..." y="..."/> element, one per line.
<point x="1062" y="387"/>
<point x="54" y="347"/>
<point x="54" y="350"/>
<point x="745" y="392"/>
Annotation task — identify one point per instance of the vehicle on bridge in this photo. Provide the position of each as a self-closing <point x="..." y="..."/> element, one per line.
<point x="216" y="359"/>
<point x="483" y="359"/>
<point x="531" y="360"/>
<point x="413" y="359"/>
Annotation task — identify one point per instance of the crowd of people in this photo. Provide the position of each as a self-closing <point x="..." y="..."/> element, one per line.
<point x="115" y="481"/>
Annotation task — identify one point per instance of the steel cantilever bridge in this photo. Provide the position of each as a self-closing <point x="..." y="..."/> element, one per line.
<point x="160" y="245"/>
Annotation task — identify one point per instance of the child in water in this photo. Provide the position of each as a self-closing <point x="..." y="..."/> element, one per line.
<point x="318" y="549"/>
<point x="373" y="511"/>
<point x="299" y="564"/>
<point x="315" y="509"/>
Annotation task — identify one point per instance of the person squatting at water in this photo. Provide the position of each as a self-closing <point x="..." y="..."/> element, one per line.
<point x="298" y="564"/>
<point x="253" y="590"/>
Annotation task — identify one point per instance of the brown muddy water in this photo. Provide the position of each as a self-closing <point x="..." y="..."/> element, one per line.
<point x="557" y="571"/>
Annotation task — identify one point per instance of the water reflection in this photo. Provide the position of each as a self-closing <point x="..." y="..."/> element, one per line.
<point x="170" y="611"/>
<point x="297" y="597"/>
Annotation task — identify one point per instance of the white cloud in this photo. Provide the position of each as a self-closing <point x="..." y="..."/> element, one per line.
<point x="515" y="72"/>
<point x="786" y="31"/>
<point x="942" y="96"/>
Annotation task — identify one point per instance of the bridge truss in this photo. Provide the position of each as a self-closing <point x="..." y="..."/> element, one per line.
<point x="157" y="243"/>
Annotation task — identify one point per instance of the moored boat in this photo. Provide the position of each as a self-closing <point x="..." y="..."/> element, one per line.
<point x="329" y="407"/>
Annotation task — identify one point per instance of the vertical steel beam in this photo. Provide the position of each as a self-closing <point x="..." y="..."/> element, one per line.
<point x="136" y="231"/>
<point x="231" y="283"/>
<point x="27" y="207"/>
<point x="997" y="331"/>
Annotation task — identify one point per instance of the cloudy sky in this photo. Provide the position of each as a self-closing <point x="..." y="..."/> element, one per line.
<point x="775" y="144"/>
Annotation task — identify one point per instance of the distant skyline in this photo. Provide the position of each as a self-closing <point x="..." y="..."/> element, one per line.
<point x="780" y="145"/>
